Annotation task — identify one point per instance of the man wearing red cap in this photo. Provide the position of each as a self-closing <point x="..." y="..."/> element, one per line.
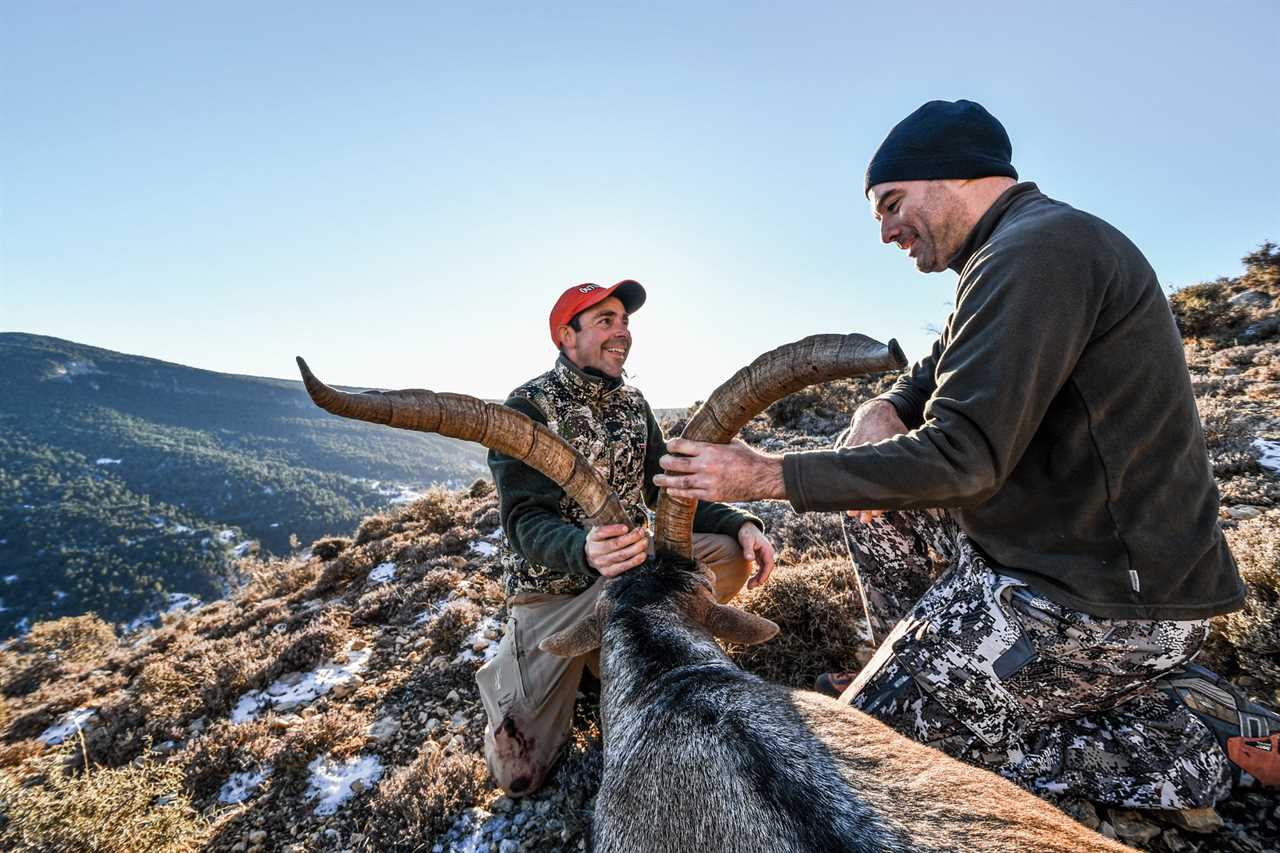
<point x="556" y="567"/>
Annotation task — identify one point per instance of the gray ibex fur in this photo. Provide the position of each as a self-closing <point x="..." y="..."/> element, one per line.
<point x="700" y="756"/>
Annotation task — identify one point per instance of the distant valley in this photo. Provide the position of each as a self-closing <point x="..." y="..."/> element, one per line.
<point x="125" y="479"/>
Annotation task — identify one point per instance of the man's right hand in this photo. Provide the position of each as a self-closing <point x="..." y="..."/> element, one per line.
<point x="874" y="420"/>
<point x="613" y="549"/>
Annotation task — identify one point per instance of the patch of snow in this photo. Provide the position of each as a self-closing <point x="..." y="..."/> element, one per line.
<point x="267" y="490"/>
<point x="241" y="786"/>
<point x="294" y="689"/>
<point x="488" y="625"/>
<point x="108" y="461"/>
<point x="23" y="626"/>
<point x="174" y="602"/>
<point x="383" y="572"/>
<point x="180" y="528"/>
<point x="70" y="724"/>
<point x="431" y="611"/>
<point x="246" y="547"/>
<point x="2" y="607"/>
<point x="10" y="578"/>
<point x="331" y="781"/>
<point x="1268" y="454"/>
<point x="484" y="549"/>
<point x="474" y="831"/>
<point x="59" y="594"/>
<point x="226" y="536"/>
<point x="275" y="524"/>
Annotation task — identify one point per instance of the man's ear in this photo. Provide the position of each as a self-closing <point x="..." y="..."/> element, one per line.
<point x="577" y="639"/>
<point x="739" y="626"/>
<point x="565" y="334"/>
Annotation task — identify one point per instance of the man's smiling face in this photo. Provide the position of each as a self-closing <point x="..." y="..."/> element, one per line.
<point x="602" y="339"/>
<point x="925" y="218"/>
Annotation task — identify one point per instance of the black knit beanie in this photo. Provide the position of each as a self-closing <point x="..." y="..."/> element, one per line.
<point x="940" y="140"/>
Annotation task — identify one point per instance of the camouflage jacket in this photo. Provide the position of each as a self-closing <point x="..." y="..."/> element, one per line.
<point x="610" y="424"/>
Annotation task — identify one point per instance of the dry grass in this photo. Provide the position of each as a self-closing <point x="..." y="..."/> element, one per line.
<point x="140" y="807"/>
<point x="421" y="800"/>
<point x="819" y="611"/>
<point x="1245" y="645"/>
<point x="52" y="650"/>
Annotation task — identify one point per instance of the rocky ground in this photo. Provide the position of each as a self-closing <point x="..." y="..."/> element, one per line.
<point x="330" y="704"/>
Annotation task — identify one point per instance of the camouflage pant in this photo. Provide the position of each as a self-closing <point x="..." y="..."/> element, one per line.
<point x="1058" y="701"/>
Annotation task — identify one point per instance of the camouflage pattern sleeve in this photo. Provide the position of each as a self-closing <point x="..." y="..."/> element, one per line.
<point x="529" y="506"/>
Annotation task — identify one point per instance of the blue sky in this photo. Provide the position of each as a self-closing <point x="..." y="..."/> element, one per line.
<point x="399" y="191"/>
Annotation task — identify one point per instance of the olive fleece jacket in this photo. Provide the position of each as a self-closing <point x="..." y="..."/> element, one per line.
<point x="529" y="503"/>
<point x="1055" y="417"/>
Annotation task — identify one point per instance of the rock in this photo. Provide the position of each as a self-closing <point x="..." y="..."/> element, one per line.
<point x="1203" y="820"/>
<point x="1174" y="841"/>
<point x="453" y="696"/>
<point x="1243" y="512"/>
<point x="343" y="689"/>
<point x="1132" y="827"/>
<point x="358" y="644"/>
<point x="1106" y="831"/>
<point x="239" y="847"/>
<point x="502" y="804"/>
<point x="198" y="726"/>
<point x="257" y="836"/>
<point x="1251" y="299"/>
<point x="863" y="655"/>
<point x="357" y="787"/>
<point x="384" y="728"/>
<point x="1084" y="812"/>
<point x="480" y="644"/>
<point x="432" y="725"/>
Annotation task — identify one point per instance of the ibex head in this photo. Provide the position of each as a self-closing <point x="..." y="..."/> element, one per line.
<point x="673" y="576"/>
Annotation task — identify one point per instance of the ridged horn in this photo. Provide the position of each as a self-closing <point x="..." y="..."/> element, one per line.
<point x="494" y="426"/>
<point x="772" y="376"/>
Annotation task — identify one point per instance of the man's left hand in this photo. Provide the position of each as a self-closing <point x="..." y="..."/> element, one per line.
<point x="757" y="549"/>
<point x="720" y="472"/>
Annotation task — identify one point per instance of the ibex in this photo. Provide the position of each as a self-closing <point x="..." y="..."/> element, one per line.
<point x="699" y="755"/>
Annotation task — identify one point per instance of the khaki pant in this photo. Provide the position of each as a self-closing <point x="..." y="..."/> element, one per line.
<point x="528" y="694"/>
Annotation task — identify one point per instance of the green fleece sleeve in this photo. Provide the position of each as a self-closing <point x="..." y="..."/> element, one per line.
<point x="1023" y="316"/>
<point x="529" y="506"/>
<point x="914" y="388"/>
<point x="708" y="517"/>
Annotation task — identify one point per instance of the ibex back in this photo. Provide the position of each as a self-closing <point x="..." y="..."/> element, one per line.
<point x="703" y="757"/>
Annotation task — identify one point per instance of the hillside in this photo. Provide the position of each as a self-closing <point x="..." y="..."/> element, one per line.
<point x="123" y="478"/>
<point x="329" y="704"/>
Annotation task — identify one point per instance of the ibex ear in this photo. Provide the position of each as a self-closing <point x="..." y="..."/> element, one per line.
<point x="739" y="626"/>
<point x="577" y="639"/>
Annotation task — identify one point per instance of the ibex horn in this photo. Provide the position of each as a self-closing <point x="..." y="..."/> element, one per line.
<point x="494" y="426"/>
<point x="772" y="376"/>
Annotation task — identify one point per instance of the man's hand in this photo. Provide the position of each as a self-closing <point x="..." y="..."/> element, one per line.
<point x="757" y="549"/>
<point x="874" y="420"/>
<point x="720" y="472"/>
<point x="612" y="549"/>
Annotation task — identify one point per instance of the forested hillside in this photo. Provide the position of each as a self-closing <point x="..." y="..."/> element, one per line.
<point x="123" y="478"/>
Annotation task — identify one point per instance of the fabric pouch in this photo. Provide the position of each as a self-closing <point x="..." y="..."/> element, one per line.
<point x="962" y="642"/>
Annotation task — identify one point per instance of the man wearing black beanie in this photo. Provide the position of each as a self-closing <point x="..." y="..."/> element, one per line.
<point x="1052" y="554"/>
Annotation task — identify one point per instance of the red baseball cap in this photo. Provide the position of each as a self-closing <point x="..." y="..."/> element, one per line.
<point x="580" y="297"/>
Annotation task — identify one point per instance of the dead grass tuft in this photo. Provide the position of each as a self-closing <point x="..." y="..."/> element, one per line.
<point x="227" y="748"/>
<point x="1245" y="645"/>
<point x="340" y="733"/>
<point x="819" y="612"/>
<point x="420" y="800"/>
<point x="134" y="808"/>
<point x="52" y="650"/>
<point x="329" y="547"/>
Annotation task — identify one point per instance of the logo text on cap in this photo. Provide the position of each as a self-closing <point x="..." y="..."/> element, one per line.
<point x="587" y="288"/>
